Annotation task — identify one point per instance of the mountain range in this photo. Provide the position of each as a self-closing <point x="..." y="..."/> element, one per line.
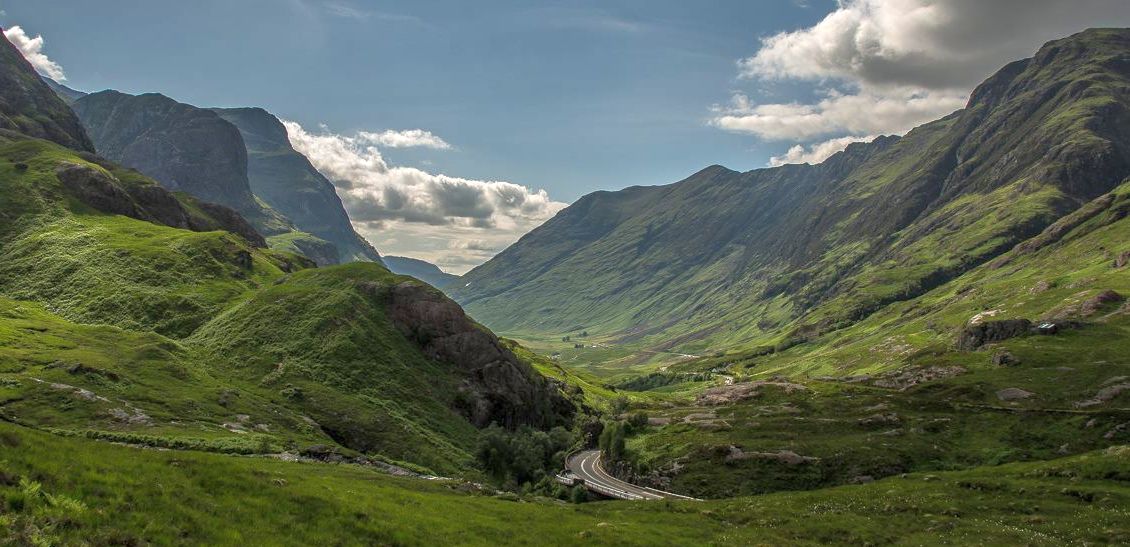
<point x="420" y="269"/>
<point x="783" y="255"/>
<point x="921" y="339"/>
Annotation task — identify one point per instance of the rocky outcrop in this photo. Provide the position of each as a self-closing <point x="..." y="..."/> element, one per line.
<point x="1014" y="394"/>
<point x="906" y="378"/>
<point x="1005" y="358"/>
<point x="783" y="456"/>
<point x="103" y="192"/>
<point x="975" y="336"/>
<point x="733" y="393"/>
<point x="497" y="386"/>
<point x="29" y="106"/>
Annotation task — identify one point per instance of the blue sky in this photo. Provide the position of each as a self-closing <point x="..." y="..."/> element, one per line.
<point x="565" y="97"/>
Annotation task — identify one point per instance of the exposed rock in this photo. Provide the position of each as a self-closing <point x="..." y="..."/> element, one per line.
<point x="880" y="419"/>
<point x="498" y="388"/>
<point x="1096" y="303"/>
<point x="1039" y="287"/>
<point x="1122" y="260"/>
<point x="906" y="378"/>
<point x="975" y="336"/>
<point x="1104" y="395"/>
<point x="733" y="393"/>
<point x="1005" y="358"/>
<point x="1115" y="431"/>
<point x="102" y="191"/>
<point x="784" y="456"/>
<point x="98" y="190"/>
<point x="1013" y="394"/>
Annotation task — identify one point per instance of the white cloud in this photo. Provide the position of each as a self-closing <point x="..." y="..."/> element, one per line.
<point x="866" y="112"/>
<point x="933" y="44"/>
<point x="32" y="50"/>
<point x="404" y="139"/>
<point x="886" y="66"/>
<point x="452" y="221"/>
<point x="816" y="153"/>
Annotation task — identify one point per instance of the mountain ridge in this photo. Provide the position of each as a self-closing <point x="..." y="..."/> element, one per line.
<point x="810" y="248"/>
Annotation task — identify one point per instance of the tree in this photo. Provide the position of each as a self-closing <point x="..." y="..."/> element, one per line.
<point x="579" y="494"/>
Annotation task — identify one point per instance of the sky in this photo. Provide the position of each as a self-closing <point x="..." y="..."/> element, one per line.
<point x="450" y="128"/>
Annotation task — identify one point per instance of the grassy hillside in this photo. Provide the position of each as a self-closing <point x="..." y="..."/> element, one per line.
<point x="58" y="490"/>
<point x="784" y="255"/>
<point x="122" y="327"/>
<point x="893" y="393"/>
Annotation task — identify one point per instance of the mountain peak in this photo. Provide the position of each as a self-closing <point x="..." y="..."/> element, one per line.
<point x="28" y="104"/>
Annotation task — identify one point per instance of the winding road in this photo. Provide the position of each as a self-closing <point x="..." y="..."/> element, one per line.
<point x="585" y="465"/>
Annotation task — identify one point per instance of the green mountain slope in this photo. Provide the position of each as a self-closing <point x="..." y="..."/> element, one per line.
<point x="29" y="106"/>
<point x="351" y="356"/>
<point x="132" y="313"/>
<point x="286" y="181"/>
<point x="779" y="256"/>
<point x="420" y="269"/>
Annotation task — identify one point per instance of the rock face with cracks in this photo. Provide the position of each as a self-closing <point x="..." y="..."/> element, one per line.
<point x="498" y="388"/>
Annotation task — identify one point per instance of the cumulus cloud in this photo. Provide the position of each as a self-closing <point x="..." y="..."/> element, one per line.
<point x="865" y="112"/>
<point x="404" y="139"/>
<point x="886" y="66"/>
<point x="454" y="221"/>
<point x="933" y="44"/>
<point x="817" y="152"/>
<point x="32" y="50"/>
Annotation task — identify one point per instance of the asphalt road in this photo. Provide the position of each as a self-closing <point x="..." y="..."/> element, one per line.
<point x="586" y="465"/>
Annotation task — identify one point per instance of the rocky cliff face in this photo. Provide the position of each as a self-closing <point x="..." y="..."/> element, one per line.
<point x="286" y="181"/>
<point x="791" y="252"/>
<point x="497" y="387"/>
<point x="104" y="192"/>
<point x="184" y="148"/>
<point x="29" y="106"/>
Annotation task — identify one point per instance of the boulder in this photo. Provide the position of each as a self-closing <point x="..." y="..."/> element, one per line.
<point x="975" y="336"/>
<point x="1013" y="394"/>
<point x="1005" y="358"/>
<point x="1096" y="302"/>
<point x="1122" y="260"/>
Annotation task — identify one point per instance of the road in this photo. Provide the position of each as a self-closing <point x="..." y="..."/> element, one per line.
<point x="585" y="465"/>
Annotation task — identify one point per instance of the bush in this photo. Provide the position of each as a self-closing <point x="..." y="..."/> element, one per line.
<point x="524" y="456"/>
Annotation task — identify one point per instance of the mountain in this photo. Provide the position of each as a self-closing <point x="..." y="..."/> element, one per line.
<point x="185" y="148"/>
<point x="67" y="94"/>
<point x="420" y="269"/>
<point x="29" y="106"/>
<point x="782" y="255"/>
<point x="133" y="313"/>
<point x="285" y="180"/>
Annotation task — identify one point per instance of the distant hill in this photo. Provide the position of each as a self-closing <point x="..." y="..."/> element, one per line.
<point x="67" y="94"/>
<point x="782" y="255"/>
<point x="286" y="181"/>
<point x="420" y="269"/>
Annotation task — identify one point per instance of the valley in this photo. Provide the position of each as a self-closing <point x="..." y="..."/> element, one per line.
<point x="923" y="339"/>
